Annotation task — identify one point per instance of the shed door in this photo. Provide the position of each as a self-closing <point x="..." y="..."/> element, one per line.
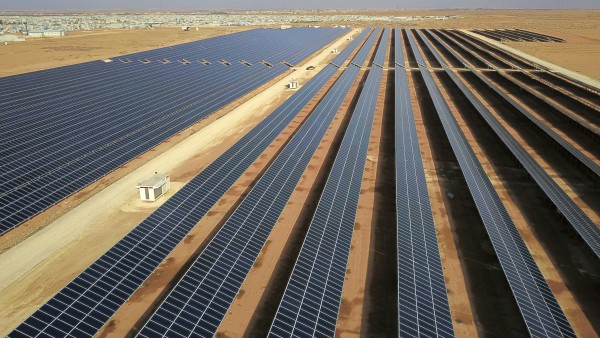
<point x="147" y="193"/>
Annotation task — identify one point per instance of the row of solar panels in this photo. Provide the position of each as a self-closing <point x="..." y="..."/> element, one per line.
<point x="86" y="304"/>
<point x="539" y="308"/>
<point x="423" y="308"/>
<point x="582" y="224"/>
<point x="63" y="139"/>
<point x="516" y="35"/>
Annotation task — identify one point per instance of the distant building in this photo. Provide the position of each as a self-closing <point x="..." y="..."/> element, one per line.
<point x="46" y="33"/>
<point x="286" y="26"/>
<point x="154" y="187"/>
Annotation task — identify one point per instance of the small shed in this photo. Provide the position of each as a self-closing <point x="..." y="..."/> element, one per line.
<point x="154" y="187"/>
<point x="293" y="84"/>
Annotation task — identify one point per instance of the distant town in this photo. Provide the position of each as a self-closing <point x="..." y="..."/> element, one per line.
<point x="25" y="23"/>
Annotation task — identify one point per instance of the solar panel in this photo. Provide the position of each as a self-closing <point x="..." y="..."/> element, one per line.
<point x="200" y="300"/>
<point x="311" y="301"/>
<point x="577" y="219"/>
<point x="85" y="304"/>
<point x="540" y="310"/>
<point x="423" y="308"/>
<point x="58" y="139"/>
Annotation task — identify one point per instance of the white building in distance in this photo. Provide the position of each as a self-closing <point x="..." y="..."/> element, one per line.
<point x="46" y="33"/>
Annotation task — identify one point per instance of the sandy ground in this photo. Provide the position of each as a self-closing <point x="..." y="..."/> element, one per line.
<point x="83" y="46"/>
<point x="30" y="227"/>
<point x="77" y="231"/>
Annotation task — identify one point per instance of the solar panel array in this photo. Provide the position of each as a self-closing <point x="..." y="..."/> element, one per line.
<point x="423" y="308"/>
<point x="582" y="224"/>
<point x="516" y="35"/>
<point x="583" y="92"/>
<point x="86" y="303"/>
<point x="200" y="300"/>
<point x="590" y="164"/>
<point x="65" y="128"/>
<point x="584" y="124"/>
<point x="539" y="308"/>
<point x="311" y="301"/>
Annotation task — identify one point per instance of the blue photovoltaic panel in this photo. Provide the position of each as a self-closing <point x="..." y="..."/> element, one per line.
<point x="85" y="304"/>
<point x="200" y="300"/>
<point x="65" y="128"/>
<point x="423" y="308"/>
<point x="580" y="222"/>
<point x="311" y="301"/>
<point x="539" y="308"/>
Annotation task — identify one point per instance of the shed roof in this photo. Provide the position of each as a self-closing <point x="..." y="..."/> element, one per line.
<point x="154" y="181"/>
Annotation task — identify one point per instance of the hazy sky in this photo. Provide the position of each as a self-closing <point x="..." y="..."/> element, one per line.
<point x="287" y="4"/>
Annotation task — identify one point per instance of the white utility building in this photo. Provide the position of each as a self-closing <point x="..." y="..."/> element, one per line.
<point x="293" y="84"/>
<point x="154" y="187"/>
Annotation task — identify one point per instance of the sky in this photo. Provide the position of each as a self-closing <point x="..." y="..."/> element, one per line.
<point x="287" y="4"/>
